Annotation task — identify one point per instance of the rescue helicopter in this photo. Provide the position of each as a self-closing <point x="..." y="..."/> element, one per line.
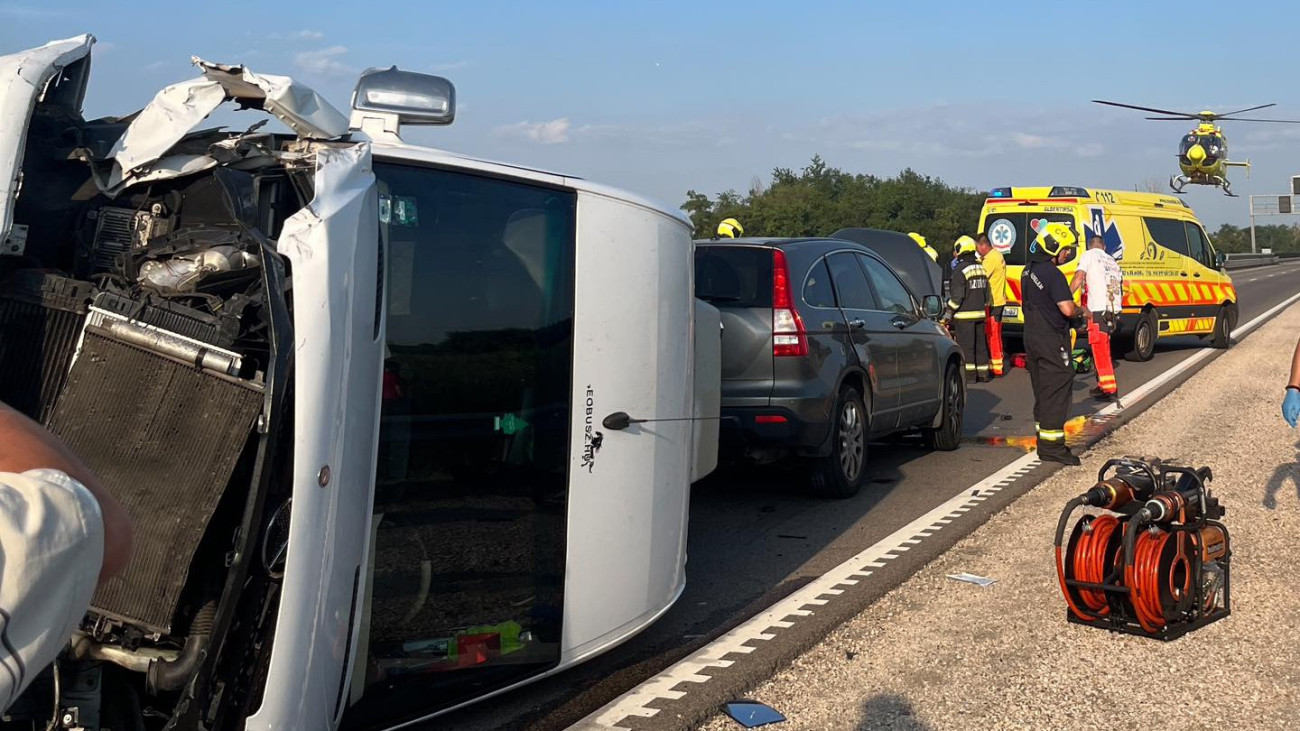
<point x="1203" y="152"/>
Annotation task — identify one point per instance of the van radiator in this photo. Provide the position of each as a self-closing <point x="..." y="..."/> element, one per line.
<point x="40" y="321"/>
<point x="164" y="438"/>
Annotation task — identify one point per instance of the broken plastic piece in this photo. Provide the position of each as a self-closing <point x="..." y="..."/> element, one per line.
<point x="752" y="714"/>
<point x="972" y="579"/>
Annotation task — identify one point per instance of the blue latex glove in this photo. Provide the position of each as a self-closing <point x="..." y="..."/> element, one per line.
<point x="1291" y="406"/>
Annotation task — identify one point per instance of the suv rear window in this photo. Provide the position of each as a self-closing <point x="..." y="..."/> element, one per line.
<point x="1011" y="233"/>
<point x="734" y="276"/>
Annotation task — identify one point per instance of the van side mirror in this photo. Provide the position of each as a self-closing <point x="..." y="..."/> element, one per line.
<point x="1220" y="260"/>
<point x="932" y="306"/>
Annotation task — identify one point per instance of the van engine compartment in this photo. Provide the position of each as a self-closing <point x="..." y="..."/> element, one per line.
<point x="143" y="323"/>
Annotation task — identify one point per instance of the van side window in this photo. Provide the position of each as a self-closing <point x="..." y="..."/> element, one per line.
<point x="817" y="290"/>
<point x="850" y="283"/>
<point x="892" y="293"/>
<point x="1168" y="233"/>
<point x="1199" y="245"/>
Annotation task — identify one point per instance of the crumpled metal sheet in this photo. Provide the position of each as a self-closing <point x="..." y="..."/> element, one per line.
<point x="23" y="77"/>
<point x="176" y="111"/>
<point x="173" y="113"/>
<point x="300" y="107"/>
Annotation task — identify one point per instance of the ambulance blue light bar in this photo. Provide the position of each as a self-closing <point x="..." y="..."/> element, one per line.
<point x="1000" y="193"/>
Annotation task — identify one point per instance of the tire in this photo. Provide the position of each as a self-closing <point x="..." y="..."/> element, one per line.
<point x="947" y="437"/>
<point x="1145" y="333"/>
<point x="841" y="473"/>
<point x="1224" y="323"/>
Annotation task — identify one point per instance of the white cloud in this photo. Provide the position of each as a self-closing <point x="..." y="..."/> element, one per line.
<point x="298" y="35"/>
<point x="1028" y="141"/>
<point x="548" y="133"/>
<point x="324" y="61"/>
<point x="443" y="68"/>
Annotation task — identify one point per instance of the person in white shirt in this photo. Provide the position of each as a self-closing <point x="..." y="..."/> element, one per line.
<point x="60" y="534"/>
<point x="1102" y="281"/>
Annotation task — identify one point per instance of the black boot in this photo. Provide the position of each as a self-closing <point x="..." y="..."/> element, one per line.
<point x="1059" y="454"/>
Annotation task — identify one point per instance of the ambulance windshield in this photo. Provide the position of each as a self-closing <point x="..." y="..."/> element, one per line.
<point x="1011" y="233"/>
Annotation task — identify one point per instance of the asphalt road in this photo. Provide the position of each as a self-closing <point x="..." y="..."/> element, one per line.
<point x="755" y="537"/>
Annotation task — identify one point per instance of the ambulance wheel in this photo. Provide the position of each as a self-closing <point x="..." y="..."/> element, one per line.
<point x="1143" y="346"/>
<point x="1224" y="323"/>
<point x="947" y="437"/>
<point x="841" y="473"/>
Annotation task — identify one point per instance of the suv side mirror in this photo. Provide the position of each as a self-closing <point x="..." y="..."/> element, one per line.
<point x="932" y="305"/>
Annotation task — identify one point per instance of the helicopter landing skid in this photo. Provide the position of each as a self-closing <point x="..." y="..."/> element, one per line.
<point x="1178" y="182"/>
<point x="1227" y="187"/>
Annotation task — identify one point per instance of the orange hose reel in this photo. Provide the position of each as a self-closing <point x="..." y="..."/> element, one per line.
<point x="1156" y="561"/>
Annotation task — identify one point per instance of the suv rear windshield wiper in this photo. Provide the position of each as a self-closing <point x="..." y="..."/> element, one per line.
<point x="718" y="297"/>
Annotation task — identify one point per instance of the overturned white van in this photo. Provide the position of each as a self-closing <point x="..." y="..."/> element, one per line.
<point x="397" y="429"/>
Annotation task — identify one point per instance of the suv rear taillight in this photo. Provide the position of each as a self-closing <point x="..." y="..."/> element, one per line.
<point x="788" y="336"/>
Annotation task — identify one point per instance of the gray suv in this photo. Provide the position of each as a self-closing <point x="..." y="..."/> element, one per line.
<point x="823" y="349"/>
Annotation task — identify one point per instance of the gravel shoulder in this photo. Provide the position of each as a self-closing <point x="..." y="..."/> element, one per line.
<point x="936" y="654"/>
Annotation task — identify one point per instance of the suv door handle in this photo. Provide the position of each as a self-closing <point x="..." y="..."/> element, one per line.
<point x="900" y="321"/>
<point x="857" y="324"/>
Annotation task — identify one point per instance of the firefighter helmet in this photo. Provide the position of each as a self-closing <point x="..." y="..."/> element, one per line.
<point x="1054" y="238"/>
<point x="920" y="241"/>
<point x="730" y="228"/>
<point x="964" y="245"/>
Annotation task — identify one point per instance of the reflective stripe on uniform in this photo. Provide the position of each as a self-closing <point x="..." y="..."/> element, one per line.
<point x="953" y="305"/>
<point x="1051" y="435"/>
<point x="968" y="315"/>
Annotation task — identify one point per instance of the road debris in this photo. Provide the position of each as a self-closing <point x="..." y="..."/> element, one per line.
<point x="973" y="579"/>
<point x="752" y="714"/>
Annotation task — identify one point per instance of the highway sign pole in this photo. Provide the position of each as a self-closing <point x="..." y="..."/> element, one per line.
<point x="1252" y="224"/>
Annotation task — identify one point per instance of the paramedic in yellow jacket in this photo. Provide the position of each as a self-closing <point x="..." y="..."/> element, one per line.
<point x="995" y="266"/>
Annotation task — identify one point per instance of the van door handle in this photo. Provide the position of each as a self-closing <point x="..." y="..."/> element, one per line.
<point x="857" y="324"/>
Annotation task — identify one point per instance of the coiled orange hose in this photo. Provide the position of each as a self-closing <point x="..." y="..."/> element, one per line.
<point x="1090" y="561"/>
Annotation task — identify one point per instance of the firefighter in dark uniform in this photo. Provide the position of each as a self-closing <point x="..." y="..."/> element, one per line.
<point x="1049" y="314"/>
<point x="968" y="293"/>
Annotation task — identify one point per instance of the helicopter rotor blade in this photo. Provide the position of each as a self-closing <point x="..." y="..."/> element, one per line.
<point x="1174" y="119"/>
<point x="1146" y="109"/>
<point x="1249" y="119"/>
<point x="1248" y="109"/>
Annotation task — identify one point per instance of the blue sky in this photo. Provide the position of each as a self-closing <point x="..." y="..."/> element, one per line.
<point x="664" y="97"/>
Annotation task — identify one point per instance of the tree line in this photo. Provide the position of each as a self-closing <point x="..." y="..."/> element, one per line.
<point x="1281" y="238"/>
<point x="819" y="200"/>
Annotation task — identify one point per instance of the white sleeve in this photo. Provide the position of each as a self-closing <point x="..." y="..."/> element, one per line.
<point x="51" y="550"/>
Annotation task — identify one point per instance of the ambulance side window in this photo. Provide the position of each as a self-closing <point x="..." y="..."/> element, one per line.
<point x="1199" y="246"/>
<point x="1168" y="233"/>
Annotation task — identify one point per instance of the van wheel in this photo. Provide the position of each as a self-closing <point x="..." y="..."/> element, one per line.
<point x="1144" y="338"/>
<point x="1224" y="323"/>
<point x="841" y="473"/>
<point x="947" y="437"/>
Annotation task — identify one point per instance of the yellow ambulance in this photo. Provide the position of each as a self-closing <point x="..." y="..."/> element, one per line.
<point x="1174" y="280"/>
